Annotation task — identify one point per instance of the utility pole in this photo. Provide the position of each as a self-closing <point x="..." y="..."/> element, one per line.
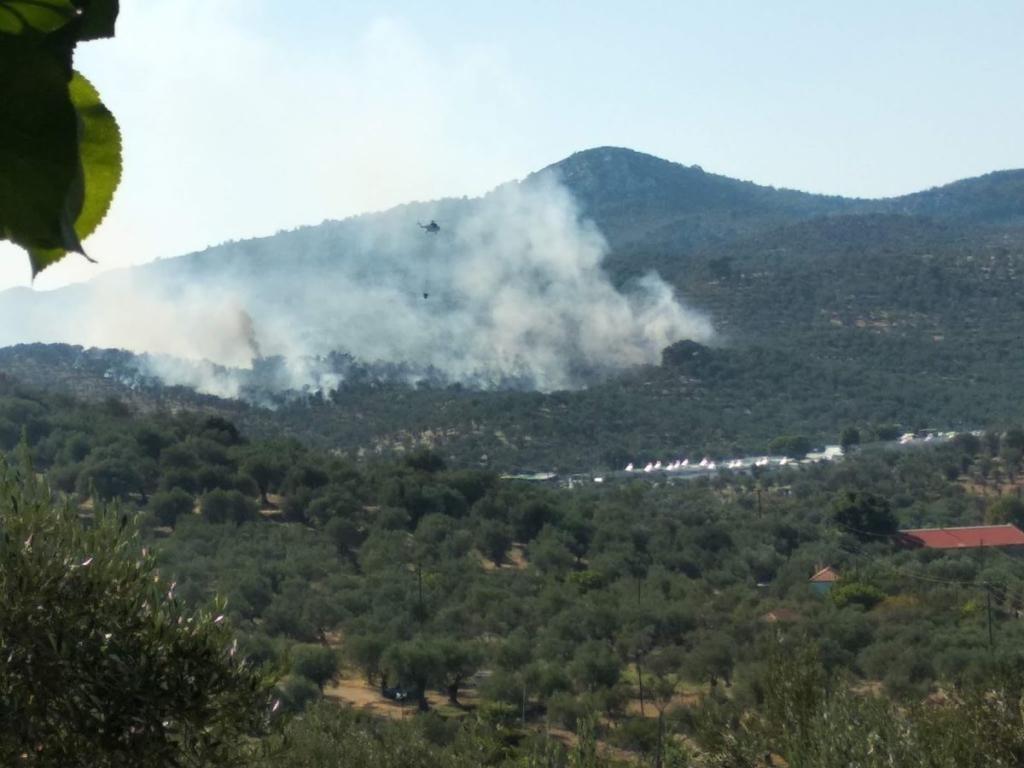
<point x="419" y="586"/>
<point x="988" y="604"/>
<point x="640" y="678"/>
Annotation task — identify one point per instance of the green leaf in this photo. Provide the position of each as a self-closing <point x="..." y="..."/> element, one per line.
<point x="99" y="142"/>
<point x="39" y="161"/>
<point x="18" y="17"/>
<point x="98" y="18"/>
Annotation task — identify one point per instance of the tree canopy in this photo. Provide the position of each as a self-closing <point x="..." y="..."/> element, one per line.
<point x="102" y="664"/>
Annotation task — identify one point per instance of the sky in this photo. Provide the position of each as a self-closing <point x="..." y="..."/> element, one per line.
<point x="245" y="117"/>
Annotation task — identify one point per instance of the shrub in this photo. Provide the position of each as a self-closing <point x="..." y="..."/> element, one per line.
<point x="168" y="506"/>
<point x="566" y="710"/>
<point x="295" y="693"/>
<point x="113" y="671"/>
<point x="856" y="593"/>
<point x="220" y="506"/>
<point x="315" y="662"/>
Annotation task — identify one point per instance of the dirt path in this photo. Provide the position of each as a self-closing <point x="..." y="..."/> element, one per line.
<point x="354" y="691"/>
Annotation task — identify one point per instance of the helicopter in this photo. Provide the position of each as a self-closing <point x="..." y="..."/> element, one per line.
<point x="432" y="228"/>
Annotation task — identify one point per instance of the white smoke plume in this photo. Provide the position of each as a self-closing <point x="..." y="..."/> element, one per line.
<point x="509" y="291"/>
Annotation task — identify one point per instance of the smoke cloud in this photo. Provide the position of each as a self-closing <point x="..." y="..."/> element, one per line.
<point x="509" y="292"/>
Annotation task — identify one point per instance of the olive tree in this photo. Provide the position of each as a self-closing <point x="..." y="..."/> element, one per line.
<point x="100" y="664"/>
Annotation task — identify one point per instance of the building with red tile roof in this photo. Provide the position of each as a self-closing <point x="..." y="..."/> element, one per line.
<point x="968" y="537"/>
<point x="822" y="581"/>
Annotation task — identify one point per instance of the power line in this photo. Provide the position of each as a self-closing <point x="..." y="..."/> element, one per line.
<point x="865" y="533"/>
<point x="986" y="586"/>
<point x="896" y="538"/>
<point x="849" y="549"/>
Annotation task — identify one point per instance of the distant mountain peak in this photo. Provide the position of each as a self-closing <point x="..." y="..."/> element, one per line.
<point x="618" y="167"/>
<point x="609" y="156"/>
<point x="637" y="197"/>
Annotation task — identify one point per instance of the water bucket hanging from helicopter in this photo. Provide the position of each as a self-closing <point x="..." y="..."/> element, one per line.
<point x="431" y="229"/>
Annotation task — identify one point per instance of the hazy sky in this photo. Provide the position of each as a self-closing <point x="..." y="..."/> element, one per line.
<point x="243" y="117"/>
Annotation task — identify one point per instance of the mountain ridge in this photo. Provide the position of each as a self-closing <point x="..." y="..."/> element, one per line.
<point x="828" y="312"/>
<point x="670" y="204"/>
<point x="641" y="201"/>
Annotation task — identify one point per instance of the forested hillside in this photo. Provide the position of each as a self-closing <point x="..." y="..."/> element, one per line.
<point x="700" y="402"/>
<point x="643" y="621"/>
<point x="826" y="312"/>
<point x="650" y="208"/>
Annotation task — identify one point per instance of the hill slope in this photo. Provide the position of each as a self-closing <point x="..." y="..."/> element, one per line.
<point x="654" y="214"/>
<point x="828" y="311"/>
<point x="642" y="202"/>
